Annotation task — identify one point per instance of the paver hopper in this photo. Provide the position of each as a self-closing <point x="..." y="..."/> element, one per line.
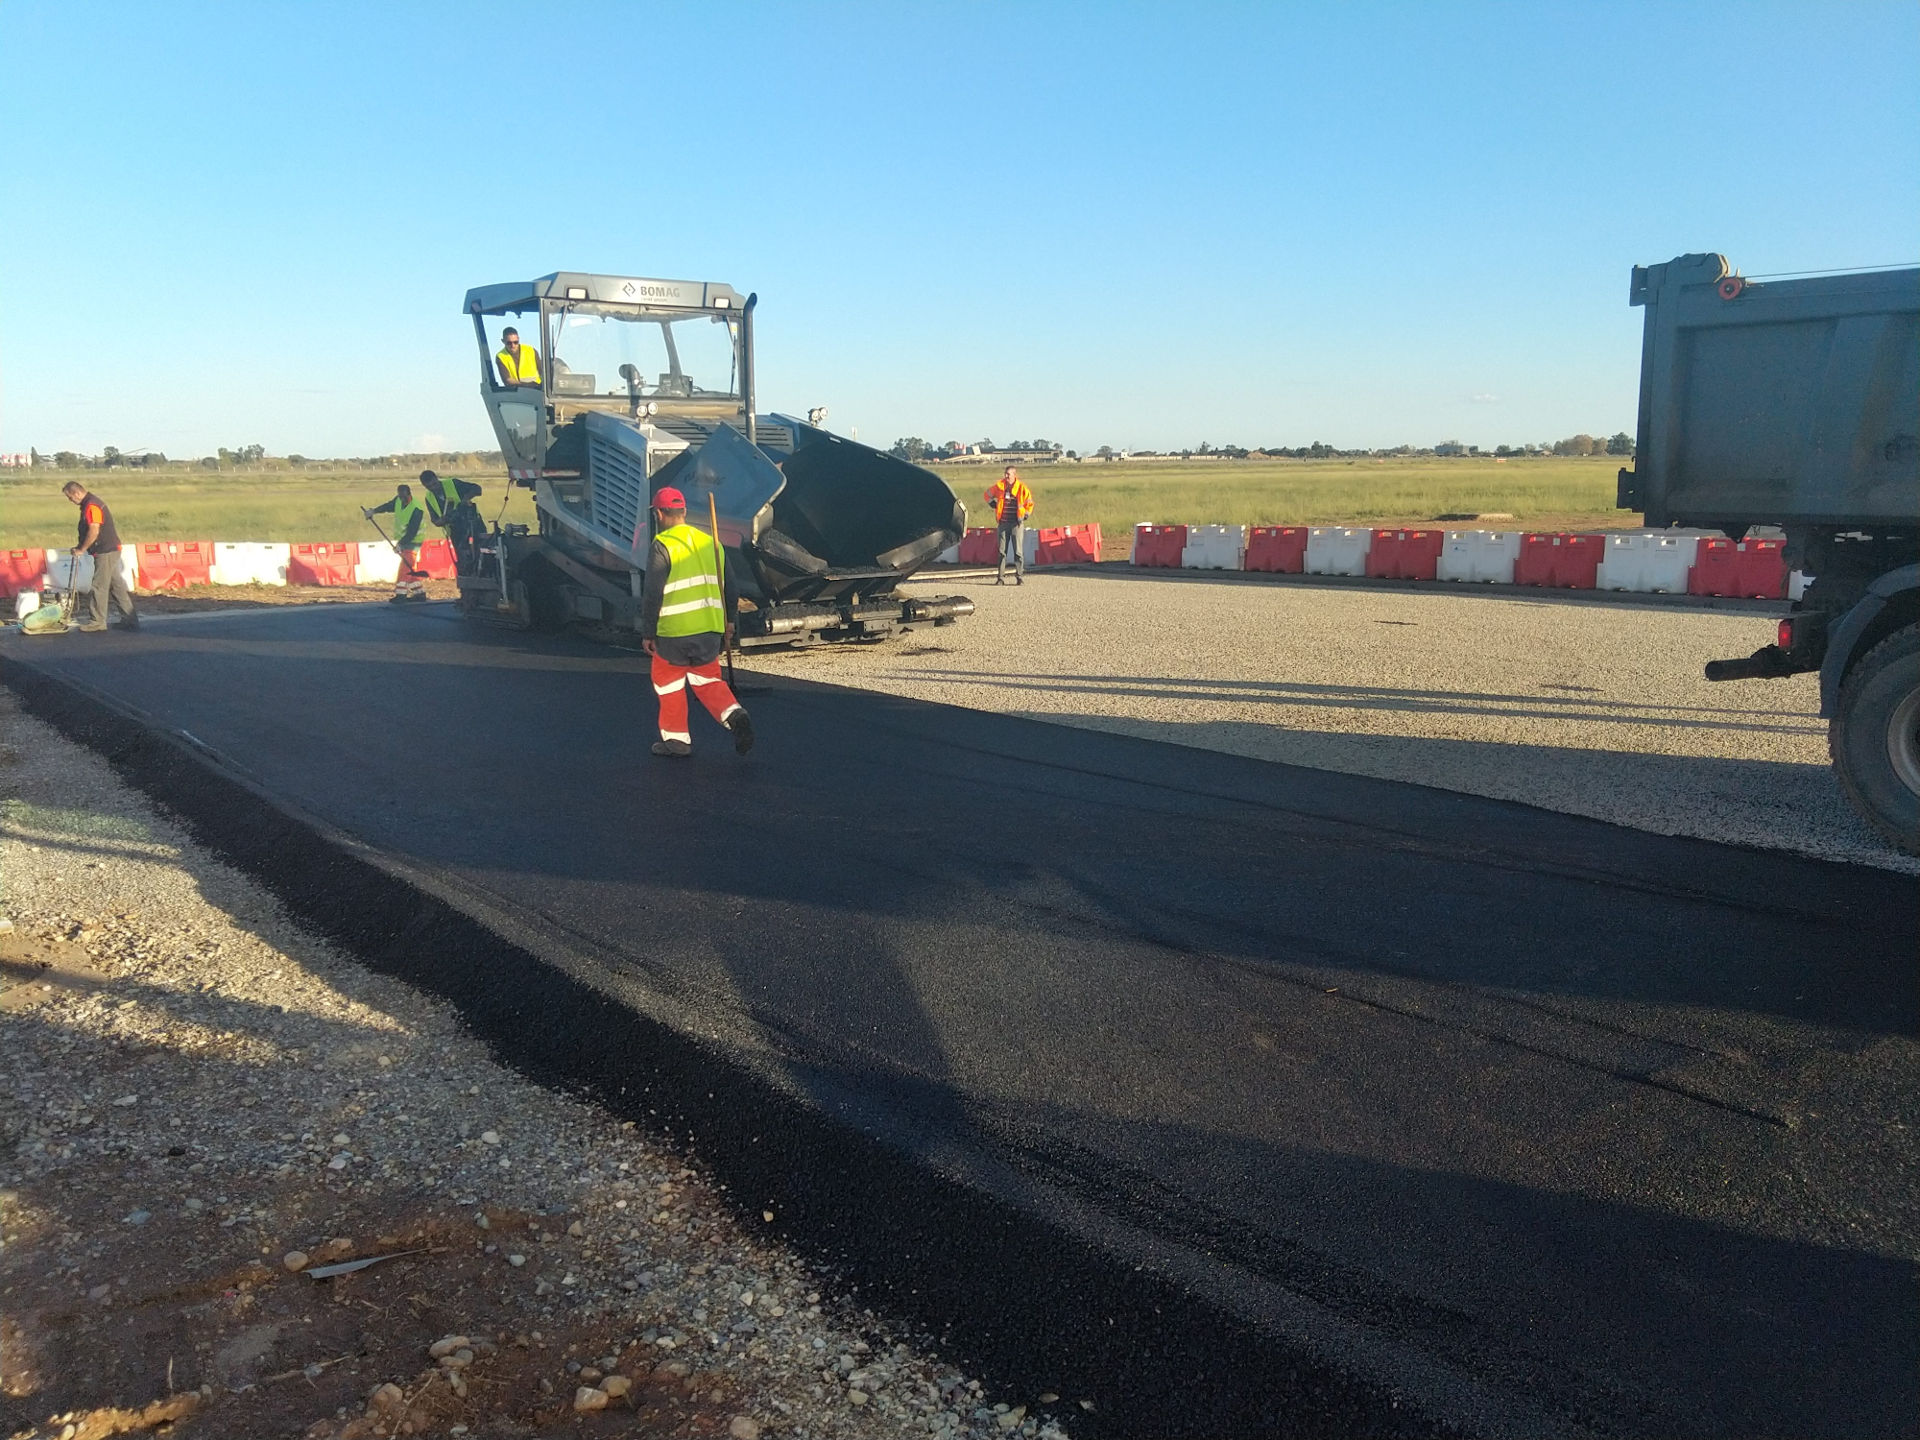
<point x="622" y="385"/>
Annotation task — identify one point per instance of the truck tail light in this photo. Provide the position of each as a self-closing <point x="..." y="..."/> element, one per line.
<point x="1785" y="638"/>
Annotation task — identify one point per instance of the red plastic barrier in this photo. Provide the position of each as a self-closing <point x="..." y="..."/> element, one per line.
<point x="1560" y="562"/>
<point x="175" y="564"/>
<point x="980" y="547"/>
<point x="1159" y="546"/>
<point x="436" y="559"/>
<point x="1067" y="545"/>
<point x="1405" y="554"/>
<point x="1756" y="569"/>
<point x="328" y="563"/>
<point x="21" y="570"/>
<point x="1279" y="549"/>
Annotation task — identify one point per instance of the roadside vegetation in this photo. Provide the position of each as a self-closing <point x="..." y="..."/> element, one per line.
<point x="1539" y="492"/>
<point x="275" y="500"/>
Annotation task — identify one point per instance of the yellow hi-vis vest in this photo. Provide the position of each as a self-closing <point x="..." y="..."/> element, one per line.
<point x="403" y="513"/>
<point x="694" y="601"/>
<point x="442" y="497"/>
<point x="526" y="372"/>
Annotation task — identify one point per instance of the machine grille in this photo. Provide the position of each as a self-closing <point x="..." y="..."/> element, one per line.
<point x="619" y="488"/>
<point x="774" y="437"/>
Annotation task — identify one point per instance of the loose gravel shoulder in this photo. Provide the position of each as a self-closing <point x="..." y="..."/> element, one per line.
<point x="205" y="1107"/>
<point x="1581" y="706"/>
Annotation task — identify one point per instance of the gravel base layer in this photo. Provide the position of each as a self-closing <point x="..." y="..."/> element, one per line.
<point x="1578" y="706"/>
<point x="206" y="1105"/>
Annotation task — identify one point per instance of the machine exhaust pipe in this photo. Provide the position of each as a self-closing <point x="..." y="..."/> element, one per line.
<point x="1769" y="662"/>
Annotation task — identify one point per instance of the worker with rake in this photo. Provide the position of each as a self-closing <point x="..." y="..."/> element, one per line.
<point x="409" y="519"/>
<point x="684" y="625"/>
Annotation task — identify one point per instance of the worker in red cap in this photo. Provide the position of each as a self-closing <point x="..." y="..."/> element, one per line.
<point x="684" y="625"/>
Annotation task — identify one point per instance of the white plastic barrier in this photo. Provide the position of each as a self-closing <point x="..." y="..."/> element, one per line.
<point x="1647" y="564"/>
<point x="1215" y="547"/>
<point x="63" y="569"/>
<point x="1336" y="550"/>
<point x="1797" y="582"/>
<point x="1029" y="546"/>
<point x="948" y="556"/>
<point x="250" y="562"/>
<point x="1482" y="556"/>
<point x="375" y="565"/>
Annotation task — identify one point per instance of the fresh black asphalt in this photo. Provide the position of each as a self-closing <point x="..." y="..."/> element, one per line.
<point x="1233" y="1094"/>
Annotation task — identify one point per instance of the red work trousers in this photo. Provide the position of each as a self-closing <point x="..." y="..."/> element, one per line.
<point x="670" y="683"/>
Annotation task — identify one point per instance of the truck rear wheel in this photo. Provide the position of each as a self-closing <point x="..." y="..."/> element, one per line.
<point x="1875" y="738"/>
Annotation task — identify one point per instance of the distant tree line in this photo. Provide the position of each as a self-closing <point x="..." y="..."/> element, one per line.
<point x="255" y="457"/>
<point x="913" y="448"/>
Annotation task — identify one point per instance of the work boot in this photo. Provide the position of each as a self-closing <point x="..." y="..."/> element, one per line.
<point x="742" y="729"/>
<point x="91" y="627"/>
<point x="130" y="622"/>
<point x="675" y="748"/>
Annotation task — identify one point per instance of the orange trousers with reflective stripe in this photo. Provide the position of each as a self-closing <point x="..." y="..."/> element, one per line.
<point x="670" y="683"/>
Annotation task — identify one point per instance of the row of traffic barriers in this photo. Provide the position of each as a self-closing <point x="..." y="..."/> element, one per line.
<point x="176" y="564"/>
<point x="1642" y="562"/>
<point x="1052" y="545"/>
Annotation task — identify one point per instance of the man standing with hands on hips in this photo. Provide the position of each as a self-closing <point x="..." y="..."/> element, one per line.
<point x="684" y="626"/>
<point x="1012" y="503"/>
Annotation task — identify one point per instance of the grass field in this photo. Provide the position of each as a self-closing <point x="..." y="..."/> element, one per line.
<point x="1543" y="494"/>
<point x="311" y="504"/>
<point x="321" y="504"/>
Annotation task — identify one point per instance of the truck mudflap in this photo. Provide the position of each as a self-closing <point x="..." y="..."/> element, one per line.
<point x="801" y="624"/>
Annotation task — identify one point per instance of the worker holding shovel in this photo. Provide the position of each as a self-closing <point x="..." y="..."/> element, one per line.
<point x="409" y="519"/>
<point x="684" y="626"/>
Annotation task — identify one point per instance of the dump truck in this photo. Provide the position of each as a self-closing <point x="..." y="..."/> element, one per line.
<point x="1794" y="402"/>
<point x="648" y="382"/>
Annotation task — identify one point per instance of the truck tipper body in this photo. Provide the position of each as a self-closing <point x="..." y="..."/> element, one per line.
<point x="1795" y="403"/>
<point x="644" y="383"/>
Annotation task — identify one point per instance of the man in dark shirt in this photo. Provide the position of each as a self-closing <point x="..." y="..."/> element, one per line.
<point x="98" y="537"/>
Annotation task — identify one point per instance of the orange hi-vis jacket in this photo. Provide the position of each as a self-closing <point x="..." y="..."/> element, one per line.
<point x="1011" y="500"/>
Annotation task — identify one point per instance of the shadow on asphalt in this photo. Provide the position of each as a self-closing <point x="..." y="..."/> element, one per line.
<point x="1402" y="1053"/>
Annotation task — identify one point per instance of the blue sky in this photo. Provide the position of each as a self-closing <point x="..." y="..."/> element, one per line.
<point x="1140" y="225"/>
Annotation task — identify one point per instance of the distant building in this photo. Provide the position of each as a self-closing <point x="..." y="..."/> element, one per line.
<point x="15" y="462"/>
<point x="1450" y="447"/>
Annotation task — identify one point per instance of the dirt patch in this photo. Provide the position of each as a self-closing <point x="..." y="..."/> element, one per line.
<point x="195" y="598"/>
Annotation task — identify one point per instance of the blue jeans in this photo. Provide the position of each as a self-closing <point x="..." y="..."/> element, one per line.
<point x="1012" y="548"/>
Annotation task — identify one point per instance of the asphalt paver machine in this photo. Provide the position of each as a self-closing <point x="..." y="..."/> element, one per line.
<point x="645" y="383"/>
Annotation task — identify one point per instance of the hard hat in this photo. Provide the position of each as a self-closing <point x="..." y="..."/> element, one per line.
<point x="668" y="498"/>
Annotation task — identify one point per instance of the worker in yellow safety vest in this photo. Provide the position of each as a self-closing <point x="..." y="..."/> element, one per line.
<point x="1012" y="502"/>
<point x="519" y="364"/>
<point x="450" y="506"/>
<point x="409" y="520"/>
<point x="684" y="625"/>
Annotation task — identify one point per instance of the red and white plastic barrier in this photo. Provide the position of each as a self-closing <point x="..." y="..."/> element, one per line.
<point x="1277" y="549"/>
<point x="1404" y="554"/>
<point x="20" y="571"/>
<point x="1158" y="547"/>
<point x="172" y="564"/>
<point x="1646" y="564"/>
<point x="250" y="562"/>
<point x="1478" y="556"/>
<point x="1067" y="545"/>
<point x="1753" y="569"/>
<point x="322" y="563"/>
<point x="1337" y="550"/>
<point x="1215" y="547"/>
<point x="1558" y="561"/>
